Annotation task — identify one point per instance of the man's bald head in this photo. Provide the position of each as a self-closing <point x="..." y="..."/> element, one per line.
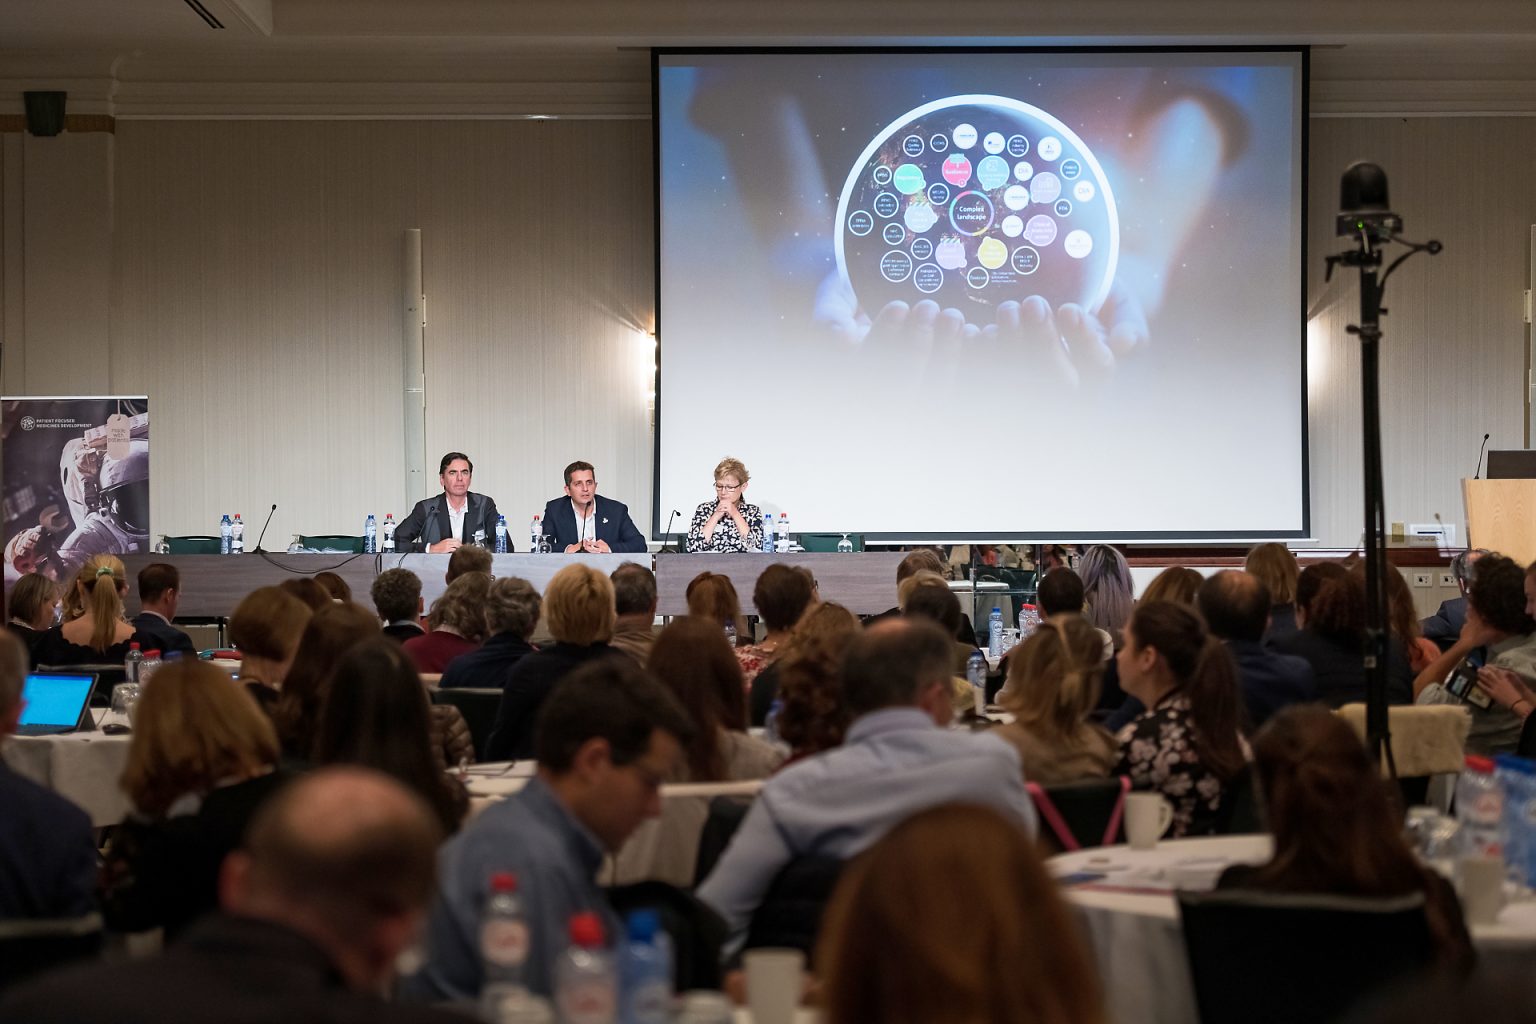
<point x="1235" y="605"/>
<point x="344" y="855"/>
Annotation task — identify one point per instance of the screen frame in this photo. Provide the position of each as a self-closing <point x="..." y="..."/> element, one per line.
<point x="662" y="533"/>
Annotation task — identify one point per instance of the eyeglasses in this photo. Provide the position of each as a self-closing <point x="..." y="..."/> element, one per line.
<point x="727" y="487"/>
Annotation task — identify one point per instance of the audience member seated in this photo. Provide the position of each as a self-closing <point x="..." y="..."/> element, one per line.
<point x="458" y="624"/>
<point x="578" y="608"/>
<point x="159" y="593"/>
<point x="692" y="659"/>
<point x="96" y="633"/>
<point x="1403" y="620"/>
<point x="1444" y="627"/>
<point x="265" y="628"/>
<point x="1176" y="583"/>
<point x="1332" y="638"/>
<point x="396" y="597"/>
<point x="467" y="559"/>
<point x="1274" y="566"/>
<point x="712" y="596"/>
<point x="1053" y="684"/>
<point x="335" y="586"/>
<point x="927" y="597"/>
<point x="920" y="560"/>
<point x="1186" y="745"/>
<point x="47" y="853"/>
<point x="1498" y="633"/>
<point x="376" y="716"/>
<point x="1337" y="826"/>
<point x="1237" y="606"/>
<point x="897" y="759"/>
<point x="607" y="738"/>
<point x="782" y="595"/>
<point x="1107" y="589"/>
<point x="806" y="682"/>
<point x="307" y="590"/>
<point x="202" y="760"/>
<point x="634" y="603"/>
<point x="331" y="632"/>
<point x="511" y="613"/>
<point x="328" y="891"/>
<point x="1310" y="583"/>
<point x="34" y="604"/>
<point x="1060" y="593"/>
<point x="999" y="946"/>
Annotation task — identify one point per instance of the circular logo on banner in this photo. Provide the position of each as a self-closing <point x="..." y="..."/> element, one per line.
<point x="27" y="423"/>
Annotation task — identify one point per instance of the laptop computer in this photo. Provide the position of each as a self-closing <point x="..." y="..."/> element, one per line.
<point x="1512" y="464"/>
<point x="56" y="703"/>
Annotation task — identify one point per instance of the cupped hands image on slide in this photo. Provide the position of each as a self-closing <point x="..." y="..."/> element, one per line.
<point x="1113" y="236"/>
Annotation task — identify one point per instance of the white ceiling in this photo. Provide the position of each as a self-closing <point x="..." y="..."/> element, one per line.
<point x="478" y="58"/>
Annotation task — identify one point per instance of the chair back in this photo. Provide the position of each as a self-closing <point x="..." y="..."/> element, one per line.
<point x="478" y="708"/>
<point x="725" y="817"/>
<point x="828" y="542"/>
<point x="1280" y="958"/>
<point x="790" y="915"/>
<point x="1527" y="746"/>
<point x="29" y="947"/>
<point x="340" y="543"/>
<point x="192" y="545"/>
<point x="1079" y="814"/>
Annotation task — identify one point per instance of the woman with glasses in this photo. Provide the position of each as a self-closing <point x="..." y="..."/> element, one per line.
<point x="727" y="523"/>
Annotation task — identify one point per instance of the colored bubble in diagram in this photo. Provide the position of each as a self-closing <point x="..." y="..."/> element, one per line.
<point x="968" y="220"/>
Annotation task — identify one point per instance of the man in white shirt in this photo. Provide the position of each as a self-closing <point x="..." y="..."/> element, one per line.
<point x="456" y="517"/>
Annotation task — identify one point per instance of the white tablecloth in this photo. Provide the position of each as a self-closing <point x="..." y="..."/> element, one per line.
<point x="1131" y="920"/>
<point x="83" y="767"/>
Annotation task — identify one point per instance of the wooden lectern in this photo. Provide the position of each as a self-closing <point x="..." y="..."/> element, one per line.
<point x="1501" y="516"/>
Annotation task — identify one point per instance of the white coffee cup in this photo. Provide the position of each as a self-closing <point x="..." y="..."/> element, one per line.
<point x="773" y="984"/>
<point x="1147" y="817"/>
<point x="1480" y="884"/>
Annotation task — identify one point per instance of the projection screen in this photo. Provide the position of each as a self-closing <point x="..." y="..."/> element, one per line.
<point x="985" y="294"/>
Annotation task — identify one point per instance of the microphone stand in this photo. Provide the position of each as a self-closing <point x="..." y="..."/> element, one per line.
<point x="668" y="531"/>
<point x="1374" y="229"/>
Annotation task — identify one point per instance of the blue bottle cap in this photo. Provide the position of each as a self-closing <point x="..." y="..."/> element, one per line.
<point x="643" y="925"/>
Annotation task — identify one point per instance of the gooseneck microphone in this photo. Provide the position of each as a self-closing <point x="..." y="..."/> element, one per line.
<point x="668" y="531"/>
<point x="1476" y="473"/>
<point x="264" y="526"/>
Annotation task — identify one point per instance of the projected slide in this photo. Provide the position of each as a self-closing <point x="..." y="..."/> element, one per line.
<point x="985" y="294"/>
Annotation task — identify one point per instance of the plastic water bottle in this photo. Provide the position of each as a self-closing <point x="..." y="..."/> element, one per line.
<point x="226" y="532"/>
<point x="976" y="675"/>
<point x="768" y="533"/>
<point x="1029" y="621"/>
<point x="781" y="533"/>
<point x="586" y="985"/>
<point x="503" y="944"/>
<point x="771" y="721"/>
<point x="501" y="535"/>
<point x="1517" y="779"/>
<point x="645" y="971"/>
<point x="148" y="667"/>
<point x="535" y="531"/>
<point x="370" y="535"/>
<point x="131" y="663"/>
<point x="388" y="544"/>
<point x="1480" y="808"/>
<point x="995" y="633"/>
<point x="237" y="536"/>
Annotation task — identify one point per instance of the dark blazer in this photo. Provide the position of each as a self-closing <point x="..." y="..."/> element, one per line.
<point x="1270" y="681"/>
<point x="1444" y="627"/>
<point x="402" y="631"/>
<point x="486" y="667"/>
<point x="47" y="853"/>
<point x="234" y="970"/>
<point x="613" y="524"/>
<point x="161" y="635"/>
<point x="429" y="522"/>
<point x="522" y="694"/>
<point x="1340" y="668"/>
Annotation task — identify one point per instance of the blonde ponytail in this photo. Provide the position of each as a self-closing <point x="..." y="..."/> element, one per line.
<point x="97" y="584"/>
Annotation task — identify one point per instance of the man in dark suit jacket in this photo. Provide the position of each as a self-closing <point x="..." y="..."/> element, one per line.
<point x="584" y="520"/>
<point x="331" y="886"/>
<point x="457" y="516"/>
<point x="1235" y="605"/>
<point x="47" y="853"/>
<point x="1443" y="628"/>
<point x="159" y="593"/>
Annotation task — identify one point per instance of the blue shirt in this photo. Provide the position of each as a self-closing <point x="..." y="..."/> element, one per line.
<point x="894" y="763"/>
<point x="555" y="858"/>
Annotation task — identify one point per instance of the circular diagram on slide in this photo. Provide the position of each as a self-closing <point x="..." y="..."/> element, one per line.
<point x="977" y="200"/>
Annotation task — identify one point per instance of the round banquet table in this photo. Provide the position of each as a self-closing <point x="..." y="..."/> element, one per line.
<point x="83" y="767"/>
<point x="1130" y="920"/>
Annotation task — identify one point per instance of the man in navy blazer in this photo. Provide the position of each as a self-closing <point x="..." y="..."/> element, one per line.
<point x="159" y="593"/>
<point x="584" y="520"/>
<point x="454" y="518"/>
<point x="1235" y="605"/>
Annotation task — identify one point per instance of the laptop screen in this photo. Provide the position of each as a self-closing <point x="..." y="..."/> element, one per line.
<point x="55" y="699"/>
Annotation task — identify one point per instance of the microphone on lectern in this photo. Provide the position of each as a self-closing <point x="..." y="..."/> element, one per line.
<point x="1478" y="471"/>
